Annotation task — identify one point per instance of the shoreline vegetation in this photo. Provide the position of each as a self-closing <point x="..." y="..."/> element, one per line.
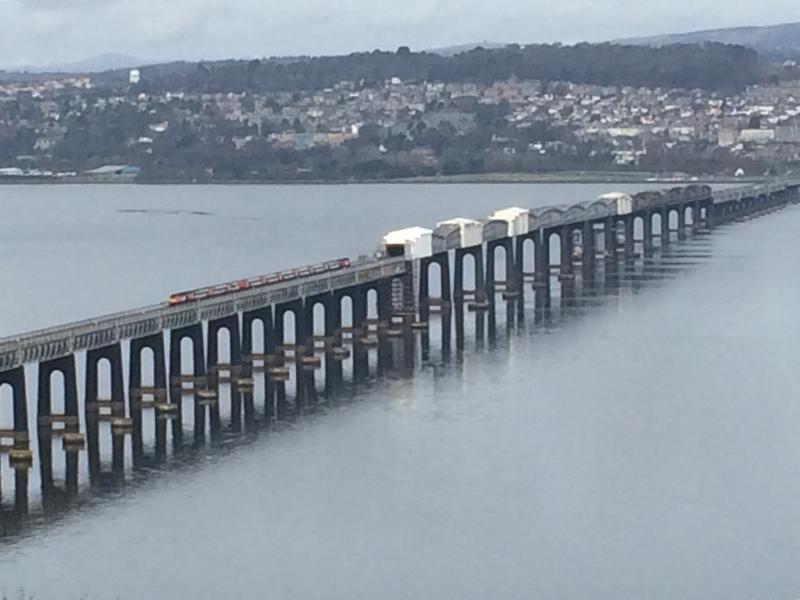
<point x="567" y="177"/>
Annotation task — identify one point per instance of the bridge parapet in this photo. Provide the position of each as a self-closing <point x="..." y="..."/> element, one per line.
<point x="90" y="334"/>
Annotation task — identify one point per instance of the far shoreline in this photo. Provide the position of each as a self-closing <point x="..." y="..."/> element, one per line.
<point x="572" y="177"/>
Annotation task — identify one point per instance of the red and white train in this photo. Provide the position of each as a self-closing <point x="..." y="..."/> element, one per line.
<point x="256" y="282"/>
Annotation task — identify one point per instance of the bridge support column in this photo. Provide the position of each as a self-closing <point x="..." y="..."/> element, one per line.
<point x="298" y="309"/>
<point x="627" y="221"/>
<point x="230" y="323"/>
<point x="360" y="313"/>
<point x="105" y="409"/>
<point x="19" y="435"/>
<point x="565" y="237"/>
<point x="70" y="433"/>
<point x="21" y="458"/>
<point x="682" y="222"/>
<point x="648" y="233"/>
<point x="610" y="238"/>
<point x="444" y="301"/>
<point x="233" y="369"/>
<point x="541" y="277"/>
<point x="478" y="294"/>
<point x="588" y="250"/>
<point x="696" y="217"/>
<point x="195" y="335"/>
<point x="665" y="229"/>
<point x="333" y="327"/>
<point x="140" y="397"/>
<point x="491" y="277"/>
<point x="263" y="316"/>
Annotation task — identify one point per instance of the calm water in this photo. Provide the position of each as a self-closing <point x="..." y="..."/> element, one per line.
<point x="642" y="442"/>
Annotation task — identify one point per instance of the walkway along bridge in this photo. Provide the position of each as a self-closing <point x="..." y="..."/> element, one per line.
<point x="592" y="238"/>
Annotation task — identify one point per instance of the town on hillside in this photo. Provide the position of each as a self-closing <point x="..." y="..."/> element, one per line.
<point x="71" y="128"/>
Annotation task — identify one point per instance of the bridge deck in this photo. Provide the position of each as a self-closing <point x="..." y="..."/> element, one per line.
<point x="61" y="340"/>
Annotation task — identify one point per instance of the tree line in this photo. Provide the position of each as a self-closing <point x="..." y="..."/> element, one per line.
<point x="711" y="66"/>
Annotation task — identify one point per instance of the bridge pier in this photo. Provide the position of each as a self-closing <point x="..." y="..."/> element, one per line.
<point x="565" y="239"/>
<point x="681" y="222"/>
<point x="231" y="324"/>
<point x="508" y="285"/>
<point x="665" y="228"/>
<point x="541" y="277"/>
<point x="138" y="394"/>
<point x="629" y="243"/>
<point x="588" y="251"/>
<point x="16" y="440"/>
<point x="72" y="439"/>
<point x="478" y="294"/>
<point x="194" y="333"/>
<point x="647" y="237"/>
<point x="110" y="409"/>
<point x="334" y="370"/>
<point x="327" y="338"/>
<point x="610" y="238"/>
<point x="696" y="216"/>
<point x="360" y="314"/>
<point x="297" y="308"/>
<point x="19" y="435"/>
<point x="263" y="316"/>
<point x="444" y="302"/>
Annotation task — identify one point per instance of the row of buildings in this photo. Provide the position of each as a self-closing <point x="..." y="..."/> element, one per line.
<point x="70" y="125"/>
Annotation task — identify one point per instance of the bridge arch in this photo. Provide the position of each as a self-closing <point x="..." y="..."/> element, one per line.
<point x="346" y="310"/>
<point x="7" y="399"/>
<point x="640" y="222"/>
<point x="672" y="217"/>
<point x="433" y="274"/>
<point x="103" y="377"/>
<point x="290" y="323"/>
<point x="655" y="223"/>
<point x="527" y="254"/>
<point x="553" y="242"/>
<point x="470" y="270"/>
<point x="319" y="317"/>
<point x="258" y="337"/>
<point x="179" y="349"/>
<point x="498" y="258"/>
<point x="224" y="345"/>
<point x="689" y="214"/>
<point x="186" y="348"/>
<point x="147" y="358"/>
<point x="372" y="302"/>
<point x="289" y="327"/>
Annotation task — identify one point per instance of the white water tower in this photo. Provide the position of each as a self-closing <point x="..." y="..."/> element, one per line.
<point x="134" y="77"/>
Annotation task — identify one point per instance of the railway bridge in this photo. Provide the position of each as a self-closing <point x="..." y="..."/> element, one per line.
<point x="390" y="295"/>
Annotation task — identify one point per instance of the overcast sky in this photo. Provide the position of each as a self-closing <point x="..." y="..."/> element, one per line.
<point x="40" y="32"/>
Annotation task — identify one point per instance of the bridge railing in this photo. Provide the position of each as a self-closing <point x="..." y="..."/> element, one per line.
<point x="52" y="342"/>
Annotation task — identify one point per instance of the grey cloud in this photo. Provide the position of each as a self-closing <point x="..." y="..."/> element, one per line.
<point x="46" y="31"/>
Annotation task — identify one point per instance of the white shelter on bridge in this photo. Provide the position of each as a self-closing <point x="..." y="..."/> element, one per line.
<point x="470" y="230"/>
<point x="413" y="243"/>
<point x="517" y="219"/>
<point x="623" y="203"/>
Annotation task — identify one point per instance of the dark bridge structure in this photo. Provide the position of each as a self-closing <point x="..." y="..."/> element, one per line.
<point x="165" y="363"/>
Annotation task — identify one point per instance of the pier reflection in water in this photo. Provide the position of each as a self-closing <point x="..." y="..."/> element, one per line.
<point x="235" y="410"/>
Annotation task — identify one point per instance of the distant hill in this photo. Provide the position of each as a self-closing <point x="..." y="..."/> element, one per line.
<point x="95" y="64"/>
<point x="453" y="50"/>
<point x="709" y="66"/>
<point x="772" y="41"/>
